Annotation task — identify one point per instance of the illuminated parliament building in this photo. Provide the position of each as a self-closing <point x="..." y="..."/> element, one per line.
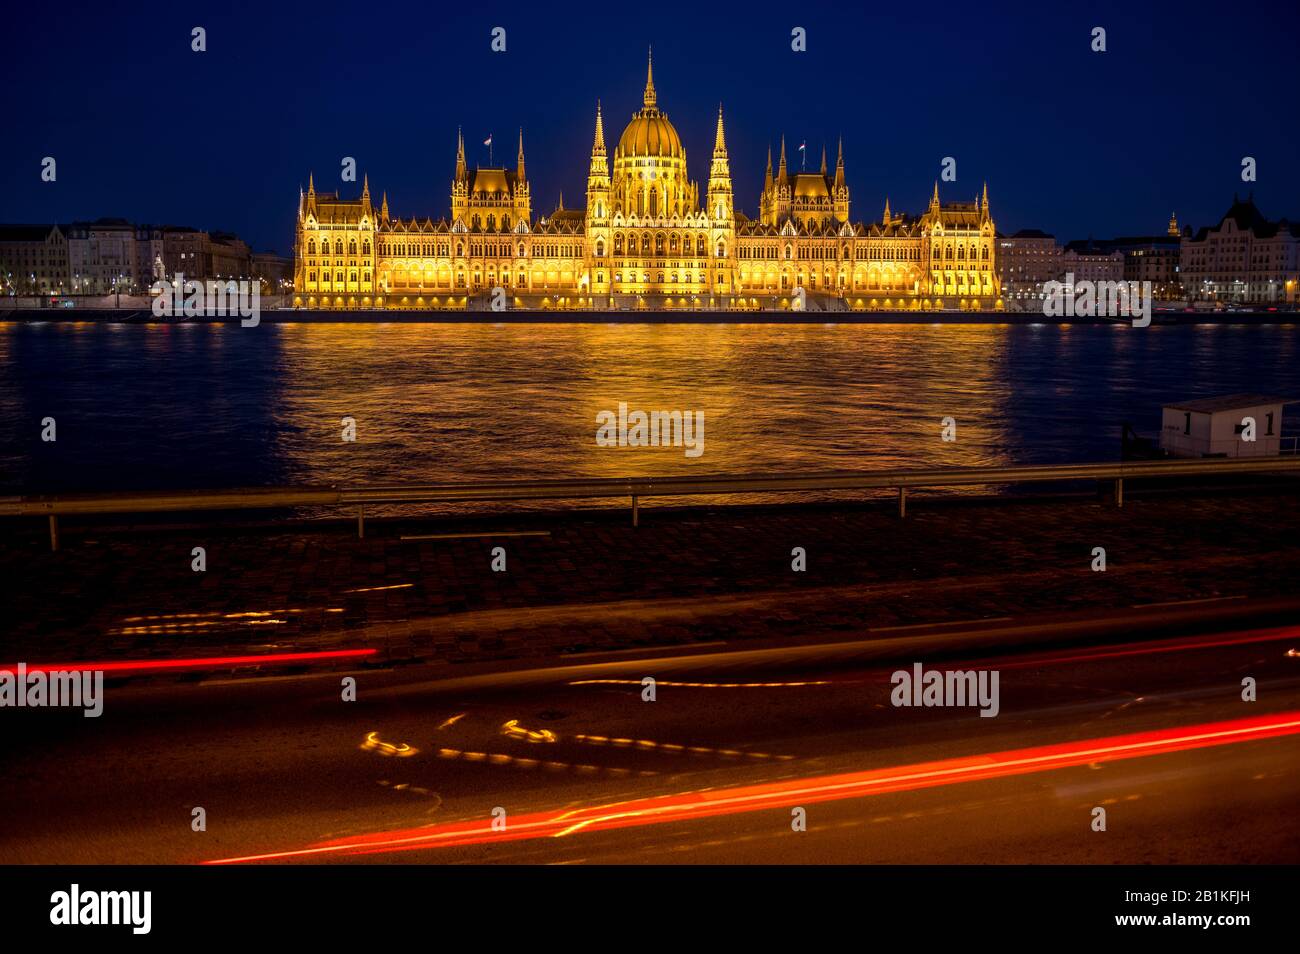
<point x="646" y="239"/>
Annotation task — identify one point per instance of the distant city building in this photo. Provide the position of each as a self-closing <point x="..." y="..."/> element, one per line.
<point x="648" y="237"/>
<point x="1152" y="258"/>
<point x="112" y="255"/>
<point x="34" y="260"/>
<point x="275" y="271"/>
<point x="1026" y="261"/>
<point x="1090" y="261"/>
<point x="103" y="257"/>
<point x="201" y="255"/>
<point x="185" y="252"/>
<point x="1245" y="258"/>
<point x="229" y="257"/>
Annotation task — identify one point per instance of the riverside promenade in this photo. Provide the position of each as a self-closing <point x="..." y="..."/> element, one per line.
<point x="586" y="581"/>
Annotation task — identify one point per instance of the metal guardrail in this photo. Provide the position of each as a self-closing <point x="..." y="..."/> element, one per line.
<point x="632" y="487"/>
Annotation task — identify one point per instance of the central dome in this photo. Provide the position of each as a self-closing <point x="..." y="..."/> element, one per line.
<point x="650" y="133"/>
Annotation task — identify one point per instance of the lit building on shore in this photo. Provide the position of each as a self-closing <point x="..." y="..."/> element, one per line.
<point x="1245" y="258"/>
<point x="648" y="237"/>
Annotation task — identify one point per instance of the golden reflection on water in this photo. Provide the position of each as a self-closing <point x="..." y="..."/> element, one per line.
<point x="444" y="401"/>
<point x="195" y="404"/>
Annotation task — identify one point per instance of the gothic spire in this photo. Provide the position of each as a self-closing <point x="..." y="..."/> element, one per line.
<point x="598" y="147"/>
<point x="650" y="99"/>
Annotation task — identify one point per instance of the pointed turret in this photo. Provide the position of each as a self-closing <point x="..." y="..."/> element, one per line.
<point x="839" y="165"/>
<point x="780" y="173"/>
<point x="719" y="200"/>
<point x="984" y="200"/>
<point x="365" y="188"/>
<point x="519" y="172"/>
<point x="383" y="208"/>
<point x="887" y="217"/>
<point x="767" y="176"/>
<point x="598" y="204"/>
<point x="934" y="199"/>
<point x="1173" y="224"/>
<point x="311" y="193"/>
<point x="823" y="159"/>
<point x="649" y="99"/>
<point x="462" y="169"/>
<point x="598" y="145"/>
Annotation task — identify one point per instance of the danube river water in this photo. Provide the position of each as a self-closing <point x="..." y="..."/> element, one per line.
<point x="217" y="405"/>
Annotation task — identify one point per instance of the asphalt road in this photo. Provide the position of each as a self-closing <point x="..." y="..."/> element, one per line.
<point x="575" y="767"/>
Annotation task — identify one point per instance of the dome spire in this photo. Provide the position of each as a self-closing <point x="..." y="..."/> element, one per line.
<point x="720" y="141"/>
<point x="650" y="99"/>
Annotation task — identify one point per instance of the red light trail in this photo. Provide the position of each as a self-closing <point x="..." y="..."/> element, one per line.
<point x="804" y="791"/>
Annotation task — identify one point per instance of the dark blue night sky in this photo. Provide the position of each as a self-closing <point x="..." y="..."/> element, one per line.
<point x="1070" y="141"/>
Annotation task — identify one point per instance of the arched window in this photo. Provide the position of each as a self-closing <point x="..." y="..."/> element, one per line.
<point x="600" y="248"/>
<point x="365" y="247"/>
<point x="699" y="245"/>
<point x="492" y="223"/>
<point x="311" y="247"/>
<point x="722" y="249"/>
<point x="645" y="243"/>
<point x="659" y="243"/>
<point x="654" y="202"/>
<point x="618" y="244"/>
<point x="338" y="247"/>
<point x="352" y="247"/>
<point x="460" y="249"/>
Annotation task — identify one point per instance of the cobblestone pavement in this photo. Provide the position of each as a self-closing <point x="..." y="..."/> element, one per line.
<point x="597" y="583"/>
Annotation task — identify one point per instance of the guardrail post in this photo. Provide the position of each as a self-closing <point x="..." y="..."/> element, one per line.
<point x="636" y="512"/>
<point x="54" y="532"/>
<point x="1119" y="491"/>
<point x="361" y="521"/>
<point x="902" y="502"/>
